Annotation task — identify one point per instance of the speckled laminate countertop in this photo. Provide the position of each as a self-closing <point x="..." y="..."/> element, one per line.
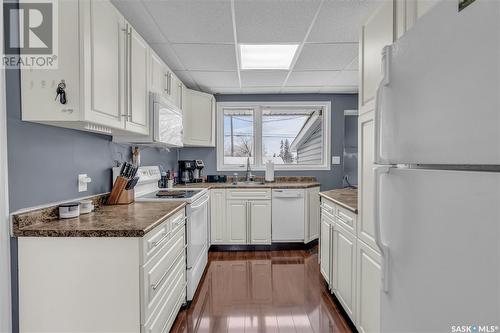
<point x="347" y="198"/>
<point x="280" y="182"/>
<point x="133" y="220"/>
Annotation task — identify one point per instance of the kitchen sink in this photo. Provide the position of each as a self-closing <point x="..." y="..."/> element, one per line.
<point x="249" y="183"/>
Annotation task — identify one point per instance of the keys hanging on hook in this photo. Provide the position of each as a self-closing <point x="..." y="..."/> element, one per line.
<point x="61" y="93"/>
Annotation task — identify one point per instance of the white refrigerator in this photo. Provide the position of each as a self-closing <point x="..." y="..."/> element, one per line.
<point x="437" y="174"/>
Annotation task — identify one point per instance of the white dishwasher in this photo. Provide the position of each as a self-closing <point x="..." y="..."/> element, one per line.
<point x="288" y="215"/>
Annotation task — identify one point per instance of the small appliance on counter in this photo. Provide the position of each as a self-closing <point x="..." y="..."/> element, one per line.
<point x="216" y="178"/>
<point x="190" y="171"/>
<point x="69" y="210"/>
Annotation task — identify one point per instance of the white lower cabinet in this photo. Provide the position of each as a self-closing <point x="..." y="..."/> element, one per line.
<point x="259" y="221"/>
<point x="218" y="230"/>
<point x="351" y="268"/>
<point x="344" y="268"/>
<point x="236" y="220"/>
<point x="120" y="284"/>
<point x="312" y="214"/>
<point x="240" y="216"/>
<point x="325" y="247"/>
<point x="368" y="281"/>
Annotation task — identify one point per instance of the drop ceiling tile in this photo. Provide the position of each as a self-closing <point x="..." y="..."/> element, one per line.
<point x="206" y="57"/>
<point x="216" y="79"/>
<point x="262" y="78"/>
<point x="186" y="78"/>
<point x="167" y="53"/>
<point x="273" y="21"/>
<point x="347" y="78"/>
<point x="354" y="65"/>
<point x="311" y="78"/>
<point x="339" y="90"/>
<point x="193" y="21"/>
<point x="135" y="12"/>
<point x="301" y="90"/>
<point x="326" y="56"/>
<point x="341" y="21"/>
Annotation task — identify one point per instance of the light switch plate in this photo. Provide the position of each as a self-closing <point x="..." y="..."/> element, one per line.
<point x="335" y="159"/>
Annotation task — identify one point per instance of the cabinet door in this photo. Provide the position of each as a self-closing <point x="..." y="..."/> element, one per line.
<point x="312" y="227"/>
<point x="365" y="227"/>
<point x="218" y="229"/>
<point x="236" y="220"/>
<point x="368" y="282"/>
<point x="375" y="34"/>
<point x="324" y="247"/>
<point x="260" y="221"/>
<point x="157" y="71"/>
<point x="105" y="36"/>
<point x="137" y="78"/>
<point x="344" y="268"/>
<point x="199" y="119"/>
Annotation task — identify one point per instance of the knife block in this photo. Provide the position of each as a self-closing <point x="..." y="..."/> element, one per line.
<point x="126" y="197"/>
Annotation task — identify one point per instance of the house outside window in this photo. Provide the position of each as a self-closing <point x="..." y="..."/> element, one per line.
<point x="293" y="135"/>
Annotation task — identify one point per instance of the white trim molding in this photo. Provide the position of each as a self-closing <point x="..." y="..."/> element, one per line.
<point x="258" y="107"/>
<point x="5" y="283"/>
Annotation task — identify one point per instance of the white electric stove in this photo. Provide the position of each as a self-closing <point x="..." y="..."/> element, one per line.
<point x="197" y="219"/>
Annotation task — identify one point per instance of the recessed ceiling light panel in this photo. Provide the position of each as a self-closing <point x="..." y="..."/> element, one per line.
<point x="269" y="56"/>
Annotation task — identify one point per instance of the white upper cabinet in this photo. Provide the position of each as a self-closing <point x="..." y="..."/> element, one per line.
<point x="199" y="118"/>
<point x="104" y="64"/>
<point x="137" y="119"/>
<point x="157" y="74"/>
<point x="105" y="34"/>
<point x="376" y="33"/>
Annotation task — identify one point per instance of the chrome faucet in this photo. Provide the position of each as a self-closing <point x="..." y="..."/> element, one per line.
<point x="248" y="176"/>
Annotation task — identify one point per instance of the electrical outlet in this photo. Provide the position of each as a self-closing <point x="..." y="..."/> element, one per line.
<point x="83" y="180"/>
<point x="335" y="159"/>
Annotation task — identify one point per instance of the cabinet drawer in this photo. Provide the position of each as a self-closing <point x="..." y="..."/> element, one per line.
<point x="248" y="193"/>
<point x="347" y="219"/>
<point x="328" y="208"/>
<point x="165" y="314"/>
<point x="158" y="273"/>
<point x="153" y="240"/>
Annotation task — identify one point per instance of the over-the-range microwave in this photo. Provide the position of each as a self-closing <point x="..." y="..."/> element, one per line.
<point x="165" y="125"/>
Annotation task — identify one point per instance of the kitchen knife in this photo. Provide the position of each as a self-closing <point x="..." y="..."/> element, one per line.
<point x="131" y="184"/>
<point x="122" y="168"/>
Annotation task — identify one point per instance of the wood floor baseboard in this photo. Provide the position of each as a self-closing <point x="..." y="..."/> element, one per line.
<point x="272" y="247"/>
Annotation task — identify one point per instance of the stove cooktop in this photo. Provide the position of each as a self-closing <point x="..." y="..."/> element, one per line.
<point x="171" y="194"/>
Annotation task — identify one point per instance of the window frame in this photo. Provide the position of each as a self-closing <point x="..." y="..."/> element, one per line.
<point x="258" y="107"/>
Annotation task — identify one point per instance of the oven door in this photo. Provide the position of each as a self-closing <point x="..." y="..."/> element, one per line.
<point x="197" y="242"/>
<point x="167" y="123"/>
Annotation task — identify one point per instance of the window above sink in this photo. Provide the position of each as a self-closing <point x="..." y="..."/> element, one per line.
<point x="293" y="135"/>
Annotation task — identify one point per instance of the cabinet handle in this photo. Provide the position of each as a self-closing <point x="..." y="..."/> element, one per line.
<point x="166" y="83"/>
<point x="378" y="171"/>
<point x="158" y="242"/>
<point x="154" y="286"/>
<point x="250" y="222"/>
<point x="129" y="82"/>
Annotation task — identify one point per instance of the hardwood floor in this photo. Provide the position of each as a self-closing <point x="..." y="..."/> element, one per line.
<point x="262" y="291"/>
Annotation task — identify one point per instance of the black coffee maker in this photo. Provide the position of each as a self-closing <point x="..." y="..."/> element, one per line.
<point x="189" y="171"/>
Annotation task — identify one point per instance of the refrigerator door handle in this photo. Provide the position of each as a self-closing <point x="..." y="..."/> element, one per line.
<point x="384" y="249"/>
<point x="386" y="52"/>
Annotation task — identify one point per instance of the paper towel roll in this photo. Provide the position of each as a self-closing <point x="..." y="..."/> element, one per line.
<point x="269" y="171"/>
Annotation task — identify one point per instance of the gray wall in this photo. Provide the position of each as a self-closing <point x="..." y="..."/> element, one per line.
<point x="329" y="178"/>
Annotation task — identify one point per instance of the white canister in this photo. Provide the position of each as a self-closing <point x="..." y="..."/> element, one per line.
<point x="86" y="206"/>
<point x="69" y="210"/>
<point x="269" y="171"/>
